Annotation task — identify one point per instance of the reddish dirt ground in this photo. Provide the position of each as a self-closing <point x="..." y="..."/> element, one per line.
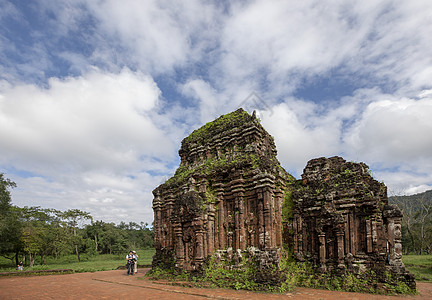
<point x="117" y="285"/>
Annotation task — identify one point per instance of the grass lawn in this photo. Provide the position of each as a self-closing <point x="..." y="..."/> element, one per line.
<point x="420" y="266"/>
<point x="102" y="262"/>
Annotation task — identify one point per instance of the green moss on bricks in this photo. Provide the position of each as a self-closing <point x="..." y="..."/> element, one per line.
<point x="221" y="124"/>
<point x="181" y="174"/>
<point x="287" y="206"/>
<point x="213" y="166"/>
<point x="210" y="195"/>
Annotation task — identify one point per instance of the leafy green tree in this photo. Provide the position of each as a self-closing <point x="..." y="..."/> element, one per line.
<point x="139" y="235"/>
<point x="90" y="247"/>
<point x="5" y="197"/>
<point x="37" y="226"/>
<point x="32" y="231"/>
<point x="75" y="219"/>
<point x="10" y="228"/>
<point x="94" y="231"/>
<point x="60" y="241"/>
<point x="113" y="240"/>
<point x="32" y="240"/>
<point x="147" y="236"/>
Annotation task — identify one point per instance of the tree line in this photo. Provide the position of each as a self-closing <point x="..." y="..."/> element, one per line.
<point x="32" y="232"/>
<point x="416" y="222"/>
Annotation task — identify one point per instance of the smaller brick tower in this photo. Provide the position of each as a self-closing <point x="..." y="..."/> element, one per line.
<point x="342" y="220"/>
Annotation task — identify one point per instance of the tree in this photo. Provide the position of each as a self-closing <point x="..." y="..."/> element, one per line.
<point x="423" y="219"/>
<point x="5" y="197"/>
<point x="10" y="228"/>
<point x="416" y="222"/>
<point x="94" y="231"/>
<point x="36" y="231"/>
<point x="32" y="241"/>
<point x="38" y="226"/>
<point x="75" y="218"/>
<point x="113" y="239"/>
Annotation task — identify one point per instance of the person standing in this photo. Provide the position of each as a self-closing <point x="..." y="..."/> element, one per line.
<point x="20" y="266"/>
<point x="130" y="263"/>
<point x="136" y="262"/>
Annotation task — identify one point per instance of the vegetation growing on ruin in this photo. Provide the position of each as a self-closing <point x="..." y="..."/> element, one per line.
<point x="210" y="195"/>
<point x="237" y="156"/>
<point x="280" y="279"/>
<point x="287" y="206"/>
<point x="213" y="166"/>
<point x="223" y="123"/>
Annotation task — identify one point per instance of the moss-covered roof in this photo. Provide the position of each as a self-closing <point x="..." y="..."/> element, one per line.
<point x="224" y="161"/>
<point x="223" y="123"/>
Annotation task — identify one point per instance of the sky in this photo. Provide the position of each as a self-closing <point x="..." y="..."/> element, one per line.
<point x="96" y="96"/>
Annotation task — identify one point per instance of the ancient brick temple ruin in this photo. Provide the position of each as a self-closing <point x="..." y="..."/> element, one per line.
<point x="341" y="219"/>
<point x="231" y="197"/>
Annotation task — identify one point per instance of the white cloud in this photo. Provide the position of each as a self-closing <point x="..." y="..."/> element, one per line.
<point x="158" y="35"/>
<point x="97" y="139"/>
<point x="208" y="99"/>
<point x="91" y="120"/>
<point x="393" y="131"/>
<point x="399" y="47"/>
<point x="274" y="47"/>
<point x="405" y="182"/>
<point x="107" y="196"/>
<point x="278" y="45"/>
<point x="390" y="134"/>
<point x="282" y="42"/>
<point x="304" y="131"/>
<point x="88" y="136"/>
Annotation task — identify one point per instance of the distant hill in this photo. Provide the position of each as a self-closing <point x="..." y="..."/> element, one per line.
<point x="416" y="222"/>
<point x="413" y="202"/>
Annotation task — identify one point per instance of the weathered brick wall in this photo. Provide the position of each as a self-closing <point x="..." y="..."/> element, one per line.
<point x="226" y="194"/>
<point x="231" y="196"/>
<point x="342" y="221"/>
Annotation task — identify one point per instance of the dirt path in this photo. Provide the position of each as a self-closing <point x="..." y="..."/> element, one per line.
<point x="117" y="285"/>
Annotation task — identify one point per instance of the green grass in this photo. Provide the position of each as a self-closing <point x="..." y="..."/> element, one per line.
<point x="102" y="262"/>
<point x="420" y="266"/>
